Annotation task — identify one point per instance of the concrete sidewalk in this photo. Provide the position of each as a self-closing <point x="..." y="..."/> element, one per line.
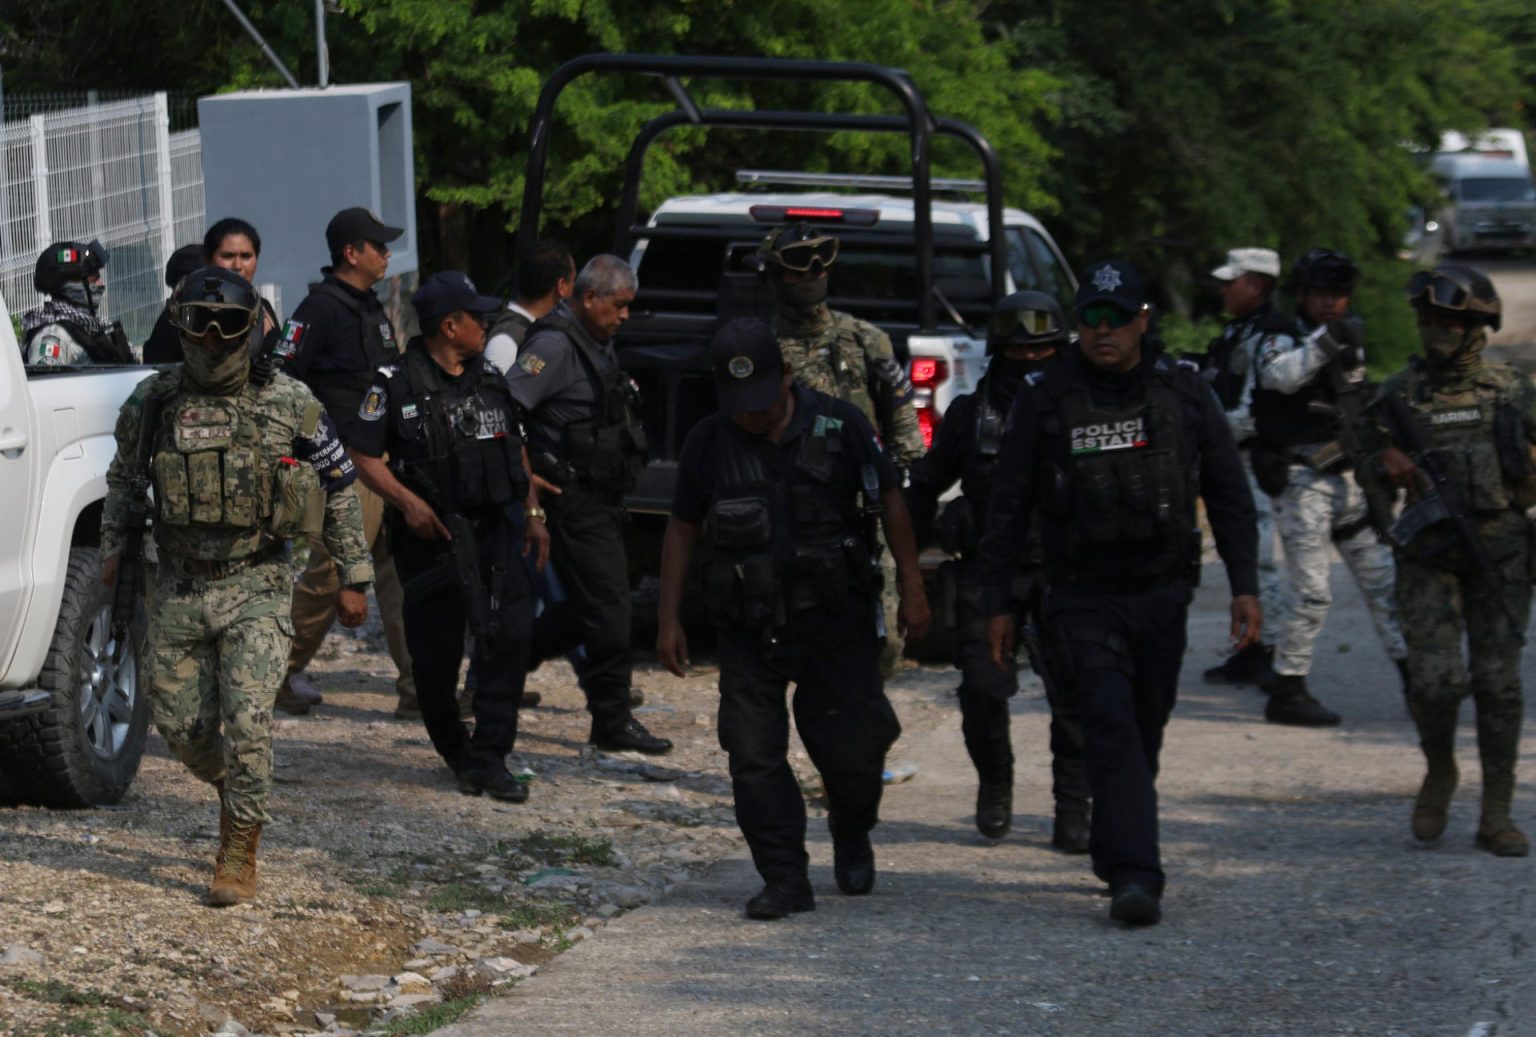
<point x="1297" y="903"/>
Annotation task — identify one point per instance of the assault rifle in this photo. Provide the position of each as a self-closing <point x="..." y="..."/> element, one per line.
<point x="1350" y="395"/>
<point x="130" y="564"/>
<point x="873" y="509"/>
<point x="1439" y="501"/>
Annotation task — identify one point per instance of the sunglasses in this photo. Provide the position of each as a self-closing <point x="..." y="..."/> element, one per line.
<point x="1440" y="289"/>
<point x="226" y="319"/>
<point x="1098" y="313"/>
<point x="802" y="256"/>
<point x="1007" y="323"/>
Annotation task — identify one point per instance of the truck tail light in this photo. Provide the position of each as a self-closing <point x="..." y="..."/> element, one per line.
<point x="928" y="373"/>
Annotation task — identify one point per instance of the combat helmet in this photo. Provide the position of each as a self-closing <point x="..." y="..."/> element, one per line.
<point x="1459" y="289"/>
<point x="65" y="263"/>
<point x="1026" y="319"/>
<point x="1324" y="268"/>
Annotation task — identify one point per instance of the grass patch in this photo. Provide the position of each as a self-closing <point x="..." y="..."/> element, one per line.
<point x="54" y="992"/>
<point x="465" y="896"/>
<point x="560" y="848"/>
<point x="432" y="1017"/>
<point x="392" y="884"/>
<point x="539" y="913"/>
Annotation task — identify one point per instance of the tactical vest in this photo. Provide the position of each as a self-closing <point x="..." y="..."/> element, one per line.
<point x="960" y="522"/>
<point x="512" y="324"/>
<point x="1284" y="420"/>
<point x="214" y="467"/>
<point x="107" y="346"/>
<point x="607" y="449"/>
<point x="342" y="392"/>
<point x="1123" y="481"/>
<point x="1465" y="427"/>
<point x="773" y="550"/>
<point x="1228" y="383"/>
<point x="469" y="458"/>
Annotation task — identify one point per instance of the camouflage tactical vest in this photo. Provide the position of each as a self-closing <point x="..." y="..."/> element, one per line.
<point x="1464" y="425"/>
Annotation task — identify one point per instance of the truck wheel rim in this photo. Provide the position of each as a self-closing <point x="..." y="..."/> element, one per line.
<point x="108" y="687"/>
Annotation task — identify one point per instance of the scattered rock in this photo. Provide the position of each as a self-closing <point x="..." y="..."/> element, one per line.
<point x="494" y="969"/>
<point x="434" y="947"/>
<point x="413" y="983"/>
<point x="16" y="954"/>
<point x="363" y="984"/>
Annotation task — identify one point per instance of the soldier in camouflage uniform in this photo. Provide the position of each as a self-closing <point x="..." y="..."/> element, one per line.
<point x="1479" y="417"/>
<point x="240" y="462"/>
<point x="846" y="358"/>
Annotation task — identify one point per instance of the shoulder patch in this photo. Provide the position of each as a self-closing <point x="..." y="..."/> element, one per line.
<point x="373" y="408"/>
<point x="1034" y="378"/>
<point x="531" y="363"/>
<point x="289" y="341"/>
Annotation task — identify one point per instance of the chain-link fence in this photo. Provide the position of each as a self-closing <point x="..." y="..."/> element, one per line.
<point x="111" y="172"/>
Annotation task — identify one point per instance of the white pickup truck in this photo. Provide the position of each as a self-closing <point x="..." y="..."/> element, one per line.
<point x="73" y="713"/>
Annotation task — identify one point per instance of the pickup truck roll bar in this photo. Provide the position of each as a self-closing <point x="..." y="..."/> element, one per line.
<point x="626" y="229"/>
<point x="918" y="123"/>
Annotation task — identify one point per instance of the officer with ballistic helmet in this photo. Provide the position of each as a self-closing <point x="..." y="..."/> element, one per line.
<point x="1307" y="412"/>
<point x="784" y="486"/>
<point x="844" y="357"/>
<point x="1110" y="446"/>
<point x="1027" y="330"/>
<point x="462" y="509"/>
<point x="241" y="460"/>
<point x="1475" y="420"/>
<point x="68" y="328"/>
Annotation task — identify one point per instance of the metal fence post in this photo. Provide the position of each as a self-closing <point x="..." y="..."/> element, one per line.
<point x="43" y="229"/>
<point x="163" y="165"/>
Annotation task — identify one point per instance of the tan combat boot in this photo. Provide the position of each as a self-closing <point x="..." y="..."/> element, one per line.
<point x="1496" y="833"/>
<point x="234" y="870"/>
<point x="1437" y="737"/>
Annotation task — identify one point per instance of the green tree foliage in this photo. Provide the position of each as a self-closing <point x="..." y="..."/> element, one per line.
<point x="1189" y="126"/>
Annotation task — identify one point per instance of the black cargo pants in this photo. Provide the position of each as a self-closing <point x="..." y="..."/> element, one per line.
<point x="841" y="713"/>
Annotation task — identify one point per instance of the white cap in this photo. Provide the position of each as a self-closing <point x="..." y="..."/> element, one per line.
<point x="1242" y="261"/>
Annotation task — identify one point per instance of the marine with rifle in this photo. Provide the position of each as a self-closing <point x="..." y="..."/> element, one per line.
<point x="1456" y="431"/>
<point x="1307" y="409"/>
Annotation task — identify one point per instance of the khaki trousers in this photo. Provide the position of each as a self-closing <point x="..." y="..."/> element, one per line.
<point x="314" y="597"/>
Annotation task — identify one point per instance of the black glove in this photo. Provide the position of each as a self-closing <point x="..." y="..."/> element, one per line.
<point x="1346" y="338"/>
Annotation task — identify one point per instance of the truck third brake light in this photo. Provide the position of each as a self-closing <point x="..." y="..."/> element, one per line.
<point x="815" y="213"/>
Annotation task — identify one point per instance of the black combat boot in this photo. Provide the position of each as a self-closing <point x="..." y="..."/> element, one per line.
<point x="1291" y="703"/>
<point x="853" y="863"/>
<point x="782" y="897"/>
<point x="994" y="808"/>
<point x="1070" y="832"/>
<point x="1135" y="904"/>
<point x="628" y="734"/>
<point x="492" y="781"/>
<point x="1250" y="666"/>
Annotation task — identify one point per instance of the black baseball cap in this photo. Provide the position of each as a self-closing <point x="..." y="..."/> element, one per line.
<point x="449" y="292"/>
<point x="1110" y="281"/>
<point x="748" y="366"/>
<point x="357" y="224"/>
<point x="182" y="262"/>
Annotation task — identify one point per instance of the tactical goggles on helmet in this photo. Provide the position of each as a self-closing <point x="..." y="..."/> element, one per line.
<point x="1441" y="289"/>
<point x="1098" y="313"/>
<point x="803" y="256"/>
<point x="227" y="320"/>
<point x="1034" y="324"/>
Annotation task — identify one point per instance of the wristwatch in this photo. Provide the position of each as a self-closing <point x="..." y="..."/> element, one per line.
<point x="534" y="513"/>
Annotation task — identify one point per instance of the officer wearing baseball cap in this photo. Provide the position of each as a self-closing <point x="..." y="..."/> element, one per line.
<point x="785" y="486"/>
<point x="1111" y="445"/>
<point x="1247" y="281"/>
<point x="462" y="507"/>
<point x="336" y="340"/>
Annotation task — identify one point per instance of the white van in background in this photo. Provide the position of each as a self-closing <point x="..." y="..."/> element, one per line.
<point x="1491" y="202"/>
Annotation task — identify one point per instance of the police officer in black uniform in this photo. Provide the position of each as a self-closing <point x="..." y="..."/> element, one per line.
<point x="1026" y="331"/>
<point x="585" y="438"/>
<point x="1111" y="446"/>
<point x="68" y="328"/>
<point x="785" y="486"/>
<point x="462" y="509"/>
<point x="336" y="340"/>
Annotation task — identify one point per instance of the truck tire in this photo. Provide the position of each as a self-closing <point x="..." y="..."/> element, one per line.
<point x="85" y="749"/>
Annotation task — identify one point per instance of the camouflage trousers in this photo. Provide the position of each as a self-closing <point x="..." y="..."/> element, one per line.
<point x="218" y="651"/>
<point x="1271" y="584"/>
<point x="890" y="603"/>
<point x="1316" y="510"/>
<point x="1445" y="607"/>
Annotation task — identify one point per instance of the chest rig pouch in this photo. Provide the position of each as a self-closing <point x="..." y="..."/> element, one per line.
<point x="1464" y="428"/>
<point x="832" y="561"/>
<point x="460" y="453"/>
<point x="743" y="580"/>
<point x="344" y="390"/>
<point x="1124" y="482"/>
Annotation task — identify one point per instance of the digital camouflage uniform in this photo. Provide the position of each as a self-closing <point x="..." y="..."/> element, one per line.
<point x="851" y="359"/>
<point x="1443" y="600"/>
<point x="220" y="621"/>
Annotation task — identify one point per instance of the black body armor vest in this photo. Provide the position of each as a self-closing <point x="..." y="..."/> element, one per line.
<point x="1288" y="420"/>
<point x="108" y="346"/>
<point x="342" y="392"/>
<point x="609" y="448"/>
<point x="458" y="455"/>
